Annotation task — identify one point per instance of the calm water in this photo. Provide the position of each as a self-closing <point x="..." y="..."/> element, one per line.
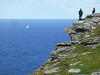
<point x="23" y="50"/>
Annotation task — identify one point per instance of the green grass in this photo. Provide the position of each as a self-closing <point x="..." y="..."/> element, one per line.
<point x="82" y="49"/>
<point x="90" y="61"/>
<point x="92" y="33"/>
<point x="96" y="32"/>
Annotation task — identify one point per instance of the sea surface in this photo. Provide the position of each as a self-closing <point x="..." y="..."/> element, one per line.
<point x="23" y="50"/>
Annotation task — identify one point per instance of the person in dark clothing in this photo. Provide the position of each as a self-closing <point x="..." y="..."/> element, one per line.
<point x="80" y="14"/>
<point x="93" y="11"/>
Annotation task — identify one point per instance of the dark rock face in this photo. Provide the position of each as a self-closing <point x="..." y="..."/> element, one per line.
<point x="91" y="42"/>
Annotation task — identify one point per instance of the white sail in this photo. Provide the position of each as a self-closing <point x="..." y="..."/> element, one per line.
<point x="27" y="26"/>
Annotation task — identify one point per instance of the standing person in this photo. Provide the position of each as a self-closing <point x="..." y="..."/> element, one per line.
<point x="80" y="14"/>
<point x="93" y="11"/>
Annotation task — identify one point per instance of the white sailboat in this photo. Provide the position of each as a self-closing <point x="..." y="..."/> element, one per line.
<point x="27" y="26"/>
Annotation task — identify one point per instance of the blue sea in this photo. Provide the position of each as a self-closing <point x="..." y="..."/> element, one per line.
<point x="23" y="50"/>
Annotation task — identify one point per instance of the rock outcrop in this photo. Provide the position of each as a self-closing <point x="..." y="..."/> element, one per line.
<point x="74" y="70"/>
<point x="83" y="27"/>
<point x="80" y="35"/>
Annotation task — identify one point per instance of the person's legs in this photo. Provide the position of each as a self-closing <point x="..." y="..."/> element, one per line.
<point x="80" y="17"/>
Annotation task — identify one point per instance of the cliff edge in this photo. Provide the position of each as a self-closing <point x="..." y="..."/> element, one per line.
<point x="80" y="56"/>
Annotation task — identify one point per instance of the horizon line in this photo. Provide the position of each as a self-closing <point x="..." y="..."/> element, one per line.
<point x="37" y="18"/>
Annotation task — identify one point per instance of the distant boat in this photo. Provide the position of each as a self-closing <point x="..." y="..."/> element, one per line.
<point x="27" y="26"/>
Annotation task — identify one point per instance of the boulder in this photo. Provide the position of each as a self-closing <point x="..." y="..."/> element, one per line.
<point x="75" y="63"/>
<point x="74" y="70"/>
<point x="53" y="70"/>
<point x="85" y="53"/>
<point x="62" y="56"/>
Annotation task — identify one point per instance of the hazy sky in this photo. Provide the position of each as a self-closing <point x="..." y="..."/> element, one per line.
<point x="46" y="9"/>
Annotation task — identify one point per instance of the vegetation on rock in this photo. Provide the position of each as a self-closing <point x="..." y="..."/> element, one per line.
<point x="90" y="62"/>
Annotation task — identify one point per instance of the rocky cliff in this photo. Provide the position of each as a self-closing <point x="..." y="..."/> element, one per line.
<point x="77" y="56"/>
<point x="83" y="27"/>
